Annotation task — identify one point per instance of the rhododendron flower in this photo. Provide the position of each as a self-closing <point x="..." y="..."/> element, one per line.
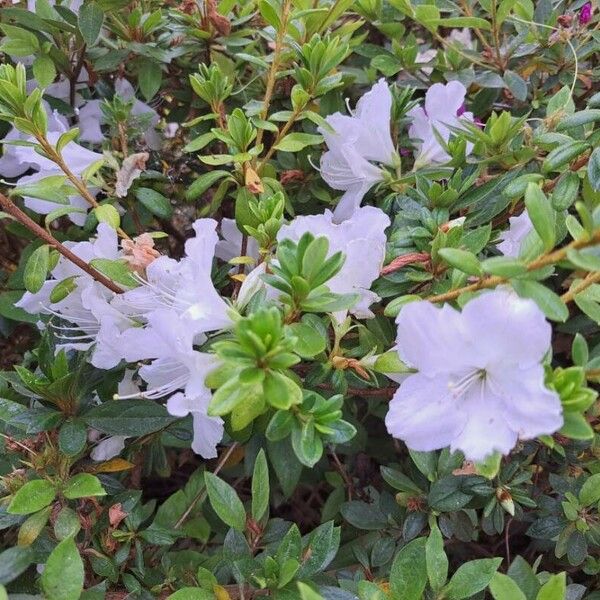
<point x="168" y="340"/>
<point x="105" y="245"/>
<point x="511" y="240"/>
<point x="357" y="139"/>
<point x="185" y="286"/>
<point x="362" y="240"/>
<point x="443" y="109"/>
<point x="480" y="381"/>
<point x="91" y="311"/>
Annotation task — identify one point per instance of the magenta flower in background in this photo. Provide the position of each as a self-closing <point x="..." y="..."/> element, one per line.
<point x="586" y="13"/>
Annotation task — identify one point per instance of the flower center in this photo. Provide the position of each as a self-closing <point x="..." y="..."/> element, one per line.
<point x="460" y="387"/>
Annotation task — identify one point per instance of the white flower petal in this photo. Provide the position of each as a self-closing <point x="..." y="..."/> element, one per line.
<point x="423" y="413"/>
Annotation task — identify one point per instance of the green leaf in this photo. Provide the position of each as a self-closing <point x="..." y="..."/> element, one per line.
<point x="63" y="575"/>
<point x="554" y="589"/>
<point x="31" y="497"/>
<point x="563" y="155"/>
<point x="577" y="119"/>
<point x="107" y="213"/>
<point x="33" y="526"/>
<point x="436" y="559"/>
<point x="134" y="417"/>
<point x="203" y="183"/>
<point x="503" y="587"/>
<point x="91" y="18"/>
<point x="260" y="486"/>
<point x="72" y="437"/>
<point x="280" y="391"/>
<point x="307" y="593"/>
<point x="149" y="78"/>
<point x="155" y="202"/>
<point x="310" y="341"/>
<point x="44" y="70"/>
<point x="225" y="502"/>
<point x="285" y="464"/>
<point x="541" y="214"/>
<point x="472" y="577"/>
<point x="549" y="302"/>
<point x="585" y="259"/>
<point x="20" y="42"/>
<point x="408" y="576"/>
<point x="516" y="84"/>
<point x="197" y="144"/>
<point x="83" y="485"/>
<point x="67" y="524"/>
<point x="475" y="22"/>
<point x="504" y="266"/>
<point x="590" y="491"/>
<point x="36" y="269"/>
<point x="190" y="593"/>
<point x="593" y="170"/>
<point x="295" y="142"/>
<point x="462" y="260"/>
<point x="576" y="427"/>
<point x="13" y="562"/>
<point x="116" y="270"/>
<point x="63" y="288"/>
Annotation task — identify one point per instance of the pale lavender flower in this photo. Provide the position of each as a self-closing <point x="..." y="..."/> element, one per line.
<point x="90" y="314"/>
<point x="124" y="89"/>
<point x="480" y="381"/>
<point x="355" y="141"/>
<point x="511" y="240"/>
<point x="184" y="286"/>
<point x="230" y="246"/>
<point x="443" y="109"/>
<point x="361" y="238"/>
<point x="176" y="370"/>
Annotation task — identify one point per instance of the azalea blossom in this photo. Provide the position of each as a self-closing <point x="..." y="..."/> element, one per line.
<point x="176" y="370"/>
<point x="184" y="286"/>
<point x="479" y="385"/>
<point x="91" y="312"/>
<point x="355" y="142"/>
<point x="361" y="238"/>
<point x="511" y="240"/>
<point x="443" y="109"/>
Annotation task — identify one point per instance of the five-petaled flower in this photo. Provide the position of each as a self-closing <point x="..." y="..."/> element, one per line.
<point x="479" y="385"/>
<point x="443" y="110"/>
<point x="354" y="144"/>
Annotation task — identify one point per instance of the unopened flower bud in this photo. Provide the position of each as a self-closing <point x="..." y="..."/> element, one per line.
<point x="505" y="500"/>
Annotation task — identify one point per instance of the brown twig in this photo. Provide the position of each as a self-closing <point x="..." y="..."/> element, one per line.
<point x="79" y="185"/>
<point x="543" y="261"/>
<point x="590" y="279"/>
<point x="41" y="233"/>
